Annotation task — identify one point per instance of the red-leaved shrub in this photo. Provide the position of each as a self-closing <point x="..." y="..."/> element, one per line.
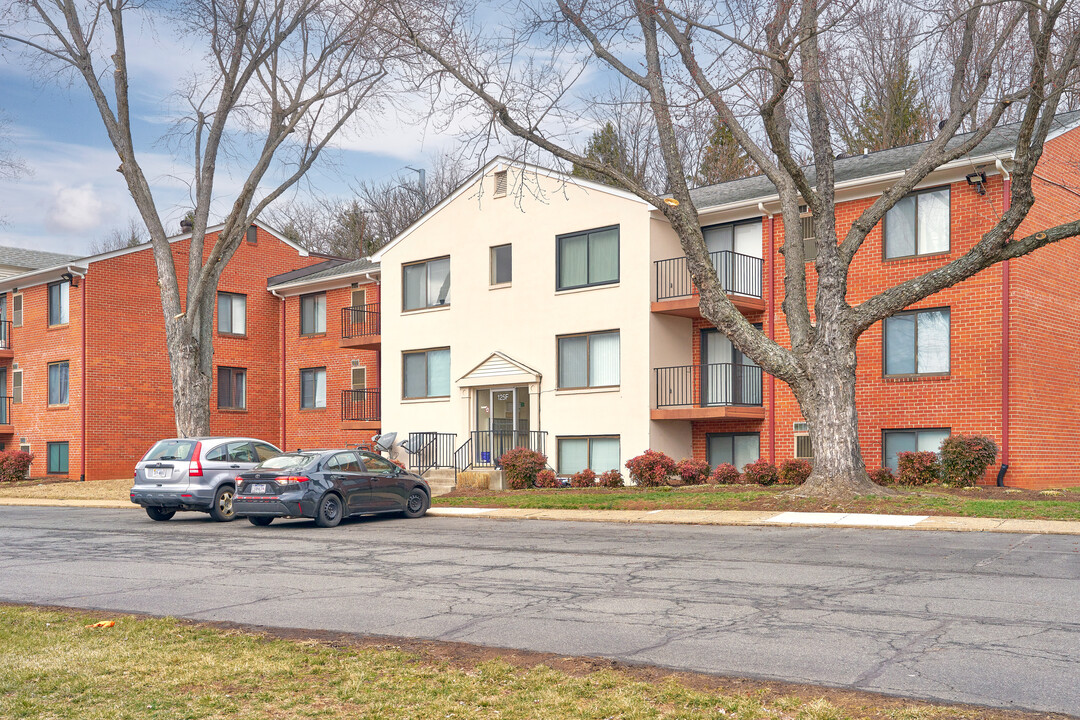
<point x="693" y="472"/>
<point x="583" y="479"/>
<point x="918" y="468"/>
<point x="883" y="476"/>
<point x="546" y="479"/>
<point x="651" y="468"/>
<point x="761" y="472"/>
<point x="611" y="479"/>
<point x="794" y="471"/>
<point x="521" y="466"/>
<point x="725" y="474"/>
<point x="14" y="464"/>
<point x="964" y="458"/>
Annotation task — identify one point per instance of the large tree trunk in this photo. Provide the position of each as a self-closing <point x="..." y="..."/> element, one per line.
<point x="827" y="399"/>
<point x="191" y="385"/>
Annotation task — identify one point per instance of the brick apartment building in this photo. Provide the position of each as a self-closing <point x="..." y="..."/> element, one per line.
<point x="85" y="380"/>
<point x="572" y="327"/>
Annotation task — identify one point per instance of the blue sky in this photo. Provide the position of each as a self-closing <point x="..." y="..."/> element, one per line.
<point x="73" y="194"/>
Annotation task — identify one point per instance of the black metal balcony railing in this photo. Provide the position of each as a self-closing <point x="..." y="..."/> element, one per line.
<point x="5" y="410"/>
<point x="429" y="450"/>
<point x="360" y="320"/>
<point x="712" y="385"/>
<point x="360" y="405"/>
<point x="485" y="447"/>
<point x="5" y="335"/>
<point x="739" y="275"/>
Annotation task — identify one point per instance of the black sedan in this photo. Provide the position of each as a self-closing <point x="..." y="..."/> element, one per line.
<point x="328" y="485"/>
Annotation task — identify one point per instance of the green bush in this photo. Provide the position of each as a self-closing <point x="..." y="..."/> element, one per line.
<point x="14" y="464"/>
<point x="521" y="466"/>
<point x="964" y="458"/>
<point x="918" y="468"/>
<point x="761" y="472"/>
<point x="651" y="468"/>
<point x="794" y="471"/>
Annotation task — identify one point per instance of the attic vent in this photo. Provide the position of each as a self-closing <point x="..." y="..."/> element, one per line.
<point x="356" y="363"/>
<point x="14" y="366"/>
<point x="500" y="183"/>
<point x="22" y="440"/>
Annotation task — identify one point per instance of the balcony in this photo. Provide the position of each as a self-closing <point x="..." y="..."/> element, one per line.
<point x="709" y="392"/>
<point x="740" y="276"/>
<point x="360" y="409"/>
<point x="360" y="327"/>
<point x="6" y="425"/>
<point x="6" y="350"/>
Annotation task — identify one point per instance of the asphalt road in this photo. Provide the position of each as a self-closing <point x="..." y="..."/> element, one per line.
<point x="981" y="618"/>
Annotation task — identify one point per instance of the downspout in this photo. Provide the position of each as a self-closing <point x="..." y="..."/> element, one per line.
<point x="1006" y="203"/>
<point x="82" y="385"/>
<point x="769" y="332"/>
<point x="283" y="420"/>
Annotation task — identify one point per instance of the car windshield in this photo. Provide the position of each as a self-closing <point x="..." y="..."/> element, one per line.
<point x="171" y="450"/>
<point x="285" y="462"/>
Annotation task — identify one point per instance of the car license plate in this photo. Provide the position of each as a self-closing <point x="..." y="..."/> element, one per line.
<point x="157" y="473"/>
<point x="258" y="489"/>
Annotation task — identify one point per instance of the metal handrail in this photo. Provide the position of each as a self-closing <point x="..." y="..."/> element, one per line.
<point x="429" y="450"/>
<point x="5" y="335"/>
<point x="738" y="274"/>
<point x="462" y="456"/>
<point x="712" y="385"/>
<point x="360" y="405"/>
<point x="488" y="446"/>
<point x="360" y="320"/>
<point x="5" y="410"/>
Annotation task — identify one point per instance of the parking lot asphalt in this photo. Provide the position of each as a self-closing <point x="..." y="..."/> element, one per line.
<point x="985" y="618"/>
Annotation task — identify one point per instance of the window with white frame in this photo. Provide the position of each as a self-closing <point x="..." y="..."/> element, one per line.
<point x="501" y="268"/>
<point x="58" y="303"/>
<point x="58" y="383"/>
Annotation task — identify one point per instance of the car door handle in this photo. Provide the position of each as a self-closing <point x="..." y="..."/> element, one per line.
<point x="235" y="467"/>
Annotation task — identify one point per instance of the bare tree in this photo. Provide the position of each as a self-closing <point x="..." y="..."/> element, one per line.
<point x="281" y="78"/>
<point x="132" y="235"/>
<point x="756" y="66"/>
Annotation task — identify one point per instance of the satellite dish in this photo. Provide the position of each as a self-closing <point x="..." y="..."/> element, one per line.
<point x="385" y="441"/>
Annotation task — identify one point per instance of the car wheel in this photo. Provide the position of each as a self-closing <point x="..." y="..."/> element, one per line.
<point x="160" y="514"/>
<point x="260" y="521"/>
<point x="417" y="504"/>
<point x="329" y="512"/>
<point x="222" y="509"/>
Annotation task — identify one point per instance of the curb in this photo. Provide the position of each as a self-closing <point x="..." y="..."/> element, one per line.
<point x="744" y="518"/>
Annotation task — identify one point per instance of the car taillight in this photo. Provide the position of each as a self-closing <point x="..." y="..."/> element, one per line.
<point x="195" y="467"/>
<point x="291" y="482"/>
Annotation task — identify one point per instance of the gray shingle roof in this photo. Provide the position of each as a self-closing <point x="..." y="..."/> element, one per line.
<point x="1000" y="141"/>
<point x="32" y="259"/>
<point x="324" y="271"/>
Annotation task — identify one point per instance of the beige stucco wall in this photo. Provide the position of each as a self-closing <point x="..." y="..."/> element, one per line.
<point x="523" y="320"/>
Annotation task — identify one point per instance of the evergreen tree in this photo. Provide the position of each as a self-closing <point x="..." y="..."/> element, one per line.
<point x="605" y="146"/>
<point x="891" y="114"/>
<point x="723" y="159"/>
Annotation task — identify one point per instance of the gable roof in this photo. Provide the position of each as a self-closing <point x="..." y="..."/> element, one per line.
<point x="999" y="142"/>
<point x="492" y="164"/>
<point x="32" y="259"/>
<point x="323" y="272"/>
<point x="499" y="369"/>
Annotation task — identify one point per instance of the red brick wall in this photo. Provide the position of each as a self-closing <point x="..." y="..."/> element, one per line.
<point x="323" y="427"/>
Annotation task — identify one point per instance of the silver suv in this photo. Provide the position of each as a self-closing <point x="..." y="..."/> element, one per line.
<point x="195" y="474"/>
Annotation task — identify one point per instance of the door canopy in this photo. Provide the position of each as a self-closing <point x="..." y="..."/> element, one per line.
<point x="499" y="369"/>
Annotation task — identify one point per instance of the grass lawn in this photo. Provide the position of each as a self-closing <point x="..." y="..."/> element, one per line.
<point x="53" y="666"/>
<point x="982" y="502"/>
<point x="68" y="490"/>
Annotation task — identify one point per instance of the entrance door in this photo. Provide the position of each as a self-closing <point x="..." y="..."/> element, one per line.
<point x="502" y="422"/>
<point x="3" y="398"/>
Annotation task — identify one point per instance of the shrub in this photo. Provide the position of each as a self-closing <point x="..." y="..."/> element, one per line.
<point x="964" y="458"/>
<point x="883" y="476"/>
<point x="611" y="479"/>
<point x="650" y="469"/>
<point x="585" y="478"/>
<point x="14" y="464"/>
<point x="918" y="468"/>
<point x="693" y="472"/>
<point x="546" y="479"/>
<point x="761" y="472"/>
<point x="725" y="474"/>
<point x="794" y="471"/>
<point x="521" y="466"/>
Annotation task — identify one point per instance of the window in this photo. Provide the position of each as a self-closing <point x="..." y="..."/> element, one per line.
<point x="58" y="383"/>
<point x="898" y="441"/>
<point x="16" y="386"/>
<point x="427" y="373"/>
<point x="598" y="454"/>
<point x="500" y="265"/>
<point x="917" y="343"/>
<point x="265" y="452"/>
<point x="236" y="452"/>
<point x="232" y="388"/>
<point x="313" y="388"/>
<point x="738" y="449"/>
<point x="590" y="360"/>
<point x="809" y="234"/>
<point x="377" y="465"/>
<point x="500" y="183"/>
<point x="313" y="314"/>
<point x="359" y="378"/>
<point x="252" y="234"/>
<point x="918" y="225"/>
<point x="16" y="309"/>
<point x="344" y="462"/>
<point x="588" y="258"/>
<point x="426" y="284"/>
<point x="804" y="447"/>
<point x="58" y="457"/>
<point x="58" y="303"/>
<point x="232" y="313"/>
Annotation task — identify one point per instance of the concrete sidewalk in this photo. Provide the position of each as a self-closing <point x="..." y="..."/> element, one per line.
<point x="694" y="517"/>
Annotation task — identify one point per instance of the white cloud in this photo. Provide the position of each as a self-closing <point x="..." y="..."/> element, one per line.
<point x="74" y="209"/>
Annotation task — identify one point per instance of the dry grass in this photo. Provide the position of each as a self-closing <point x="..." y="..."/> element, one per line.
<point x="52" y="666"/>
<point x="474" y="480"/>
<point x="69" y="490"/>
